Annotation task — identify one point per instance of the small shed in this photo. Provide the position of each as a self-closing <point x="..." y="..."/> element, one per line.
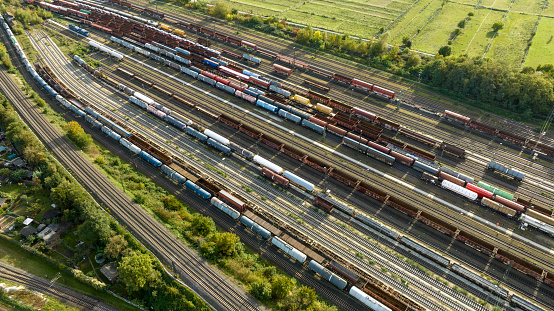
<point x="109" y="270"/>
<point x="53" y="227"/>
<point x="2" y="202"/>
<point x="27" y="231"/>
<point x="17" y="163"/>
<point x="9" y="16"/>
<point x="27" y="221"/>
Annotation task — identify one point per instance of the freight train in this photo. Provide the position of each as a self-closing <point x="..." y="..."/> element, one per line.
<point x="395" y="151"/>
<point x="506" y="136"/>
<point x="122" y="140"/>
<point x="524" y="266"/>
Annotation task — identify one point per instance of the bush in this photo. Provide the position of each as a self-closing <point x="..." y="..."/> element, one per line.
<point x="94" y="282"/>
<point x="261" y="290"/>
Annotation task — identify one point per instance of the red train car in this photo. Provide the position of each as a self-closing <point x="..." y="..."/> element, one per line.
<point x="450" y="115"/>
<point x="480" y="191"/>
<point x="364" y="114"/>
<point x="377" y="90"/>
<point x="282" y="69"/>
<point x="275" y="177"/>
<point x="362" y="85"/>
<point x="227" y="197"/>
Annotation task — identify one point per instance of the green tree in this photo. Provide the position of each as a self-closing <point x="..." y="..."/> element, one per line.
<point x="462" y="23"/>
<point x="18" y="175"/>
<point x="171" y="203"/>
<point x="497" y="26"/>
<point x="5" y="172"/>
<point x="19" y="221"/>
<point x="137" y="270"/>
<point x="116" y="247"/>
<point x="227" y="243"/>
<point x="413" y="60"/>
<point x="378" y="48"/>
<point x="261" y="290"/>
<point x="202" y="225"/>
<point x="281" y="286"/>
<point x="78" y="135"/>
<point x="96" y="227"/>
<point x="220" y="10"/>
<point x="445" y="50"/>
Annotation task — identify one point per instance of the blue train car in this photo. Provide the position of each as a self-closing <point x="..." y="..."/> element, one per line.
<point x="198" y="190"/>
<point x="195" y="133"/>
<point x="150" y="159"/>
<point x="266" y="106"/>
<point x="211" y="63"/>
<point x="182" y="51"/>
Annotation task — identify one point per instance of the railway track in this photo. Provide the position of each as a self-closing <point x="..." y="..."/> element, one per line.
<point x="41" y="285"/>
<point x="339" y="251"/>
<point x="410" y="92"/>
<point x="217" y="289"/>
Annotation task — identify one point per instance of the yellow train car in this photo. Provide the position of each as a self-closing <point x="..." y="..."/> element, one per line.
<point x="179" y="32"/>
<point x="165" y="27"/>
<point x="301" y="99"/>
<point x="324" y="109"/>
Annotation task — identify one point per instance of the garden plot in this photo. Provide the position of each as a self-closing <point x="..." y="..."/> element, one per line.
<point x="497" y="4"/>
<point x="510" y="43"/>
<point x="479" y="41"/>
<point x="542" y="48"/>
<point x="259" y="7"/>
<point x="526" y="6"/>
<point x="460" y="44"/>
<point x="441" y="29"/>
<point x="412" y="23"/>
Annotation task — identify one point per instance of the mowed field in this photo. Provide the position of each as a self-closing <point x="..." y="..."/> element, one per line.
<point x="431" y="24"/>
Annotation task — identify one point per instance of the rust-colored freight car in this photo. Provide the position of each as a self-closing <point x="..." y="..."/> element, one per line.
<point x="230" y="199"/>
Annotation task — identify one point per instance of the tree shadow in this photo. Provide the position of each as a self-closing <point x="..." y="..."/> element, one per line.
<point x="490" y="34"/>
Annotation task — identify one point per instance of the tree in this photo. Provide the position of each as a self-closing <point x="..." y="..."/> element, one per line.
<point x="377" y="48"/>
<point x="96" y="227"/>
<point x="281" y="286"/>
<point x="18" y="175"/>
<point x="305" y="297"/>
<point x="405" y="40"/>
<point x="528" y="70"/>
<point x="202" y="225"/>
<point x="220" y="10"/>
<point x="171" y="203"/>
<point x="226" y="243"/>
<point x="413" y="60"/>
<point x="19" y="221"/>
<point x="137" y="270"/>
<point x="5" y="172"/>
<point x="116" y="247"/>
<point x="445" y="50"/>
<point x="497" y="26"/>
<point x="78" y="135"/>
<point x="261" y="290"/>
<point x="462" y="23"/>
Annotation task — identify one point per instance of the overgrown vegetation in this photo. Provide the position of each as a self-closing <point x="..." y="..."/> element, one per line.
<point x="29" y="300"/>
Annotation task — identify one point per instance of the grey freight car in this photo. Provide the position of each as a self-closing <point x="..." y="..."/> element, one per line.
<point x="327" y="275"/>
<point x="493" y="166"/>
<point x="425" y="251"/>
<point x="477" y="279"/>
<point x="377" y="225"/>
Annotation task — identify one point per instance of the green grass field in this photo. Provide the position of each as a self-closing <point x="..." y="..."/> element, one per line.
<point x="416" y="20"/>
<point x="510" y="43"/>
<point x="543" y="46"/>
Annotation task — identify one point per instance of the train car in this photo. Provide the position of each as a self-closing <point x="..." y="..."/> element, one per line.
<point x="482" y="193"/>
<point x="495" y="191"/>
<point x="457" y="175"/>
<point x="276" y="178"/>
<point x="293" y="252"/>
<point x="301" y="99"/>
<point x="377" y="90"/>
<point x="511" y="204"/>
<point x="362" y="85"/>
<point x="493" y="166"/>
<point x="218" y="146"/>
<point x="324" y="109"/>
<point x="250" y="224"/>
<point x="450" y="115"/>
<point x="313" y="126"/>
<point x="402" y="158"/>
<point x="364" y="114"/>
<point x="467" y="193"/>
<point x="198" y="190"/>
<point x="299" y="181"/>
<point x="265" y="163"/>
<point x="248" y="45"/>
<point x="282" y="69"/>
<point x="260" y="82"/>
<point x="422" y="167"/>
<point x="367" y="300"/>
<point x="525" y="219"/>
<point x="173" y="174"/>
<point x="425" y="251"/>
<point x="444" y="176"/>
<point x="232" y="200"/>
<point x="501" y="208"/>
<point x="327" y="275"/>
<point x="225" y="208"/>
<point x="459" y="152"/>
<point x="430" y="178"/>
<point x="210" y="62"/>
<point x="150" y="159"/>
<point x="539" y="216"/>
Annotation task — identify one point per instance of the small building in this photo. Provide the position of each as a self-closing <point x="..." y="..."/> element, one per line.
<point x="41" y="227"/>
<point x="27" y="221"/>
<point x="45" y="232"/>
<point x="9" y="16"/>
<point x="109" y="270"/>
<point x="53" y="227"/>
<point x="16" y="163"/>
<point x="27" y="231"/>
<point x="2" y="202"/>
